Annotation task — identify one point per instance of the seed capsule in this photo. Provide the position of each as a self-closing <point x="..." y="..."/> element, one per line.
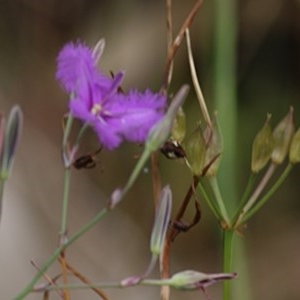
<point x="262" y="147"/>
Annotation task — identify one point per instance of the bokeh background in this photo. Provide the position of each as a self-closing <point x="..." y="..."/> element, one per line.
<point x="268" y="71"/>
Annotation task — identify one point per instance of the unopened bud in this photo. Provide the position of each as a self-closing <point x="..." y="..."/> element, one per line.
<point x="262" y="147"/>
<point x="193" y="280"/>
<point x="294" y="154"/>
<point x="283" y="134"/>
<point x="162" y="219"/>
<point x="130" y="281"/>
<point x="214" y="149"/>
<point x="115" y="198"/>
<point x="195" y="149"/>
<point x="179" y="127"/>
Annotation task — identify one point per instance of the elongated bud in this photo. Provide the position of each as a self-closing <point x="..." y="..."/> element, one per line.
<point x="162" y="219"/>
<point x="11" y="139"/>
<point x="161" y="131"/>
<point x="158" y="235"/>
<point x="179" y="127"/>
<point x="283" y="134"/>
<point x="214" y="149"/>
<point x="262" y="147"/>
<point x="294" y="154"/>
<point x="192" y="280"/>
<point x="195" y="149"/>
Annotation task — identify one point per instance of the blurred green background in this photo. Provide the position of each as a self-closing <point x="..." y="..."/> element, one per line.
<point x="268" y="72"/>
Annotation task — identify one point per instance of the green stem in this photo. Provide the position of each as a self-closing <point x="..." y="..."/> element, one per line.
<point x="81" y="132"/>
<point x="216" y="190"/>
<point x="269" y="194"/>
<point x="136" y="171"/>
<point x="65" y="203"/>
<point x="210" y="203"/>
<point x="245" y="196"/>
<point x="106" y="285"/>
<point x="253" y="199"/>
<point x="225" y="94"/>
<point x="227" y="261"/>
<point x="226" y="104"/>
<point x="67" y="132"/>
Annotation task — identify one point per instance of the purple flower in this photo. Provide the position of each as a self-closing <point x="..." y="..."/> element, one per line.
<point x="95" y="99"/>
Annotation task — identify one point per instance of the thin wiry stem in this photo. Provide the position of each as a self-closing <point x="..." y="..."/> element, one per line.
<point x="256" y="193"/>
<point x="269" y="194"/>
<point x="245" y="196"/>
<point x="219" y="199"/>
<point x="106" y="285"/>
<point x="169" y="35"/>
<point x="196" y="81"/>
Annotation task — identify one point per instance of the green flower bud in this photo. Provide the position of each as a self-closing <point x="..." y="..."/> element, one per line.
<point x="294" y="154"/>
<point x="10" y="133"/>
<point x="195" y="149"/>
<point x="214" y="149"/>
<point x="262" y="147"/>
<point x="162" y="219"/>
<point x="179" y="126"/>
<point x="283" y="134"/>
<point x="193" y="280"/>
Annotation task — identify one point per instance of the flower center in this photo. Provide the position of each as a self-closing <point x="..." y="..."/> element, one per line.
<point x="96" y="110"/>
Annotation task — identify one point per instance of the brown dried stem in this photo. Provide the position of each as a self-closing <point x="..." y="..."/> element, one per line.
<point x="169" y="36"/>
<point x="176" y="43"/>
<point x="81" y="277"/>
<point x="63" y="262"/>
<point x="50" y="280"/>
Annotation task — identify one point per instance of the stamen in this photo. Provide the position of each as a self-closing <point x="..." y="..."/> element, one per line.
<point x="97" y="108"/>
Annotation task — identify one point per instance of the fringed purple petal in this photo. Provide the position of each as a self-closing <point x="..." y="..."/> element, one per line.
<point x="79" y="110"/>
<point x="133" y="115"/>
<point x="75" y="63"/>
<point x="108" y="136"/>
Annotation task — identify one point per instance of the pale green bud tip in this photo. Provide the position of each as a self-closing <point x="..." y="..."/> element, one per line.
<point x="161" y="223"/>
<point x="294" y="154"/>
<point x="179" y="127"/>
<point x="283" y="134"/>
<point x="195" y="149"/>
<point x="98" y="49"/>
<point x="193" y="280"/>
<point x="161" y="131"/>
<point x="11" y="139"/>
<point x="262" y="147"/>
